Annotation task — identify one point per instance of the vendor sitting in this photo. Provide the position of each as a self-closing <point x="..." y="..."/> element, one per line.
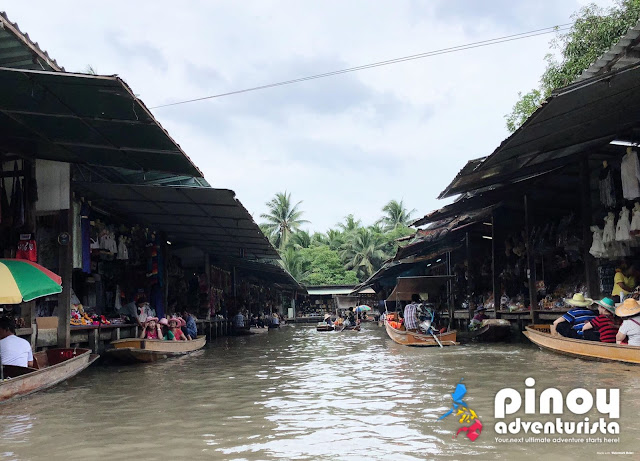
<point x="629" y="331"/>
<point x="13" y="350"/>
<point x="151" y="329"/>
<point x="479" y="317"/>
<point x="570" y="324"/>
<point x="327" y="319"/>
<point x="602" y="328"/>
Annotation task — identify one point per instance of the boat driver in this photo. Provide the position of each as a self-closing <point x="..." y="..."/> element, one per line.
<point x="13" y="350"/>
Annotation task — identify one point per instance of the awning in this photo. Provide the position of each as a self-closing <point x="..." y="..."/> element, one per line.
<point x="423" y="286"/>
<point x="18" y="51"/>
<point x="210" y="219"/>
<point x="576" y="119"/>
<point x="330" y="290"/>
<point x="267" y="272"/>
<point x="78" y="118"/>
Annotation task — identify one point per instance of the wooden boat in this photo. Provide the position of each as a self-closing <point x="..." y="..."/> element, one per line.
<point x="409" y="338"/>
<point x="541" y="336"/>
<point x="324" y="326"/>
<point x="50" y="368"/>
<point x="134" y="350"/>
<point x="492" y="330"/>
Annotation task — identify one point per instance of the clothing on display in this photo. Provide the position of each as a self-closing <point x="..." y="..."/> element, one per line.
<point x="630" y="174"/>
<point x="76" y="232"/>
<point x="623" y="228"/>
<point x="635" y="220"/>
<point x="607" y="188"/>
<point x="123" y="253"/>
<point x="597" y="249"/>
<point x="609" y="232"/>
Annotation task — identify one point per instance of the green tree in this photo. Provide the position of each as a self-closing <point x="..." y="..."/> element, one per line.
<point x="363" y="251"/>
<point x="294" y="263"/>
<point x="350" y="224"/>
<point x="593" y="32"/>
<point x="395" y="214"/>
<point x="300" y="239"/>
<point x="324" y="267"/>
<point x="283" y="219"/>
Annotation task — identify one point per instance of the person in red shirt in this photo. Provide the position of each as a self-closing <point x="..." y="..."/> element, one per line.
<point x="602" y="328"/>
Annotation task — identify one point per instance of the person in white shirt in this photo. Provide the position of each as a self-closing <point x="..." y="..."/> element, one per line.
<point x="13" y="350"/>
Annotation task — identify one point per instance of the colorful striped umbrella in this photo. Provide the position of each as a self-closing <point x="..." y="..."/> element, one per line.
<point x="22" y="280"/>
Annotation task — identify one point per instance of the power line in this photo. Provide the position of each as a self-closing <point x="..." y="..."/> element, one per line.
<point x="453" y="49"/>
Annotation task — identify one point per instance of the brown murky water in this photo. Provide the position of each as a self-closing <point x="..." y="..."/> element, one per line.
<point x="300" y="394"/>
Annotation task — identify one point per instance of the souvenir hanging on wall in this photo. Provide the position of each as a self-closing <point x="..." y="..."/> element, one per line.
<point x="630" y="175"/>
<point x="607" y="188"/>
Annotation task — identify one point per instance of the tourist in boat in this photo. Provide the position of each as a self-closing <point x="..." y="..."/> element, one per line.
<point x="164" y="327"/>
<point x="411" y="313"/>
<point x="183" y="328"/>
<point x="238" y="320"/>
<point x="624" y="281"/>
<point x="151" y="329"/>
<point x="190" y="326"/>
<point x="479" y="317"/>
<point x="327" y="319"/>
<point x="602" y="328"/>
<point x="571" y="323"/>
<point x="350" y="319"/>
<point x="275" y="321"/>
<point x="629" y="312"/>
<point x="174" y="328"/>
<point x="13" y="349"/>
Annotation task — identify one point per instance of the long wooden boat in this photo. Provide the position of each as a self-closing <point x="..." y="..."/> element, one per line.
<point x="492" y="330"/>
<point x="323" y="326"/>
<point x="134" y="350"/>
<point x="541" y="336"/>
<point x="409" y="338"/>
<point x="50" y="368"/>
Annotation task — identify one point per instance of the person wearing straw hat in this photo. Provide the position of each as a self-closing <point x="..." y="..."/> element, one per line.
<point x="629" y="311"/>
<point x="602" y="328"/>
<point x="571" y="323"/>
<point x="151" y="329"/>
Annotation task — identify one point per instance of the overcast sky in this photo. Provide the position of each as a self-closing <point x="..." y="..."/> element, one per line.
<point x="345" y="144"/>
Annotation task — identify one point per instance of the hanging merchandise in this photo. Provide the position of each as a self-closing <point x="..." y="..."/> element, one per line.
<point x="609" y="232"/>
<point x="623" y="228"/>
<point x="635" y="220"/>
<point x="597" y="249"/>
<point x="630" y="173"/>
<point x="76" y="232"/>
<point x="123" y="253"/>
<point x="17" y="199"/>
<point x="27" y="249"/>
<point x="607" y="188"/>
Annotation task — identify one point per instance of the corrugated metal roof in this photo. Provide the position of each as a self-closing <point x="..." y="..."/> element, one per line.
<point x="624" y="53"/>
<point x="19" y="52"/>
<point x="210" y="219"/>
<point x="330" y="290"/>
<point x="79" y="118"/>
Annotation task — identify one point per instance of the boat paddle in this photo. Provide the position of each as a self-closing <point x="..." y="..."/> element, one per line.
<point x="426" y="325"/>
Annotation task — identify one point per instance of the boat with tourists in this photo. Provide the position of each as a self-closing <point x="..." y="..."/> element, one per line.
<point x="50" y="367"/>
<point x="423" y="333"/>
<point x="135" y="350"/>
<point x="324" y="326"/>
<point x="541" y="336"/>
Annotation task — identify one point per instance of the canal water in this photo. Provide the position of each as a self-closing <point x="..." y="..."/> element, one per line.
<point x="298" y="394"/>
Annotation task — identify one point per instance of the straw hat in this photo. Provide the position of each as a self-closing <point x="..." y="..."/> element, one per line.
<point x="164" y="322"/>
<point x="326" y="316"/>
<point x="628" y="308"/>
<point x="608" y="304"/>
<point x="579" y="300"/>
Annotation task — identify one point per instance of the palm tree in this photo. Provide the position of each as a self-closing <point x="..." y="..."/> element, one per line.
<point x="350" y="224"/>
<point x="363" y="252"/>
<point x="293" y="262"/>
<point x="395" y="215"/>
<point x="335" y="239"/>
<point x="283" y="219"/>
<point x="300" y="239"/>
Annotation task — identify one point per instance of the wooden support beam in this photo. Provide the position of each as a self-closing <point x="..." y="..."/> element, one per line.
<point x="531" y="259"/>
<point x="584" y="190"/>
<point x="66" y="271"/>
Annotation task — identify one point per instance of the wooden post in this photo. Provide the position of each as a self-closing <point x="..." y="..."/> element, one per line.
<point x="469" y="277"/>
<point x="495" y="279"/>
<point x="66" y="272"/>
<point x="590" y="275"/>
<point x="531" y="259"/>
<point x="449" y="291"/>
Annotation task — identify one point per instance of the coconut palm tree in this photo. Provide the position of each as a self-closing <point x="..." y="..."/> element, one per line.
<point x="395" y="215"/>
<point x="363" y="252"/>
<point x="335" y="239"/>
<point x="283" y="219"/>
<point x="350" y="224"/>
<point x="293" y="262"/>
<point x="300" y="239"/>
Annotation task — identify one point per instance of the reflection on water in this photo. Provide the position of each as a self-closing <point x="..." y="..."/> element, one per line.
<point x="301" y="394"/>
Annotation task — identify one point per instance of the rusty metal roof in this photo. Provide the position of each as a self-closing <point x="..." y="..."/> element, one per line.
<point x="18" y="51"/>
<point x="624" y="53"/>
